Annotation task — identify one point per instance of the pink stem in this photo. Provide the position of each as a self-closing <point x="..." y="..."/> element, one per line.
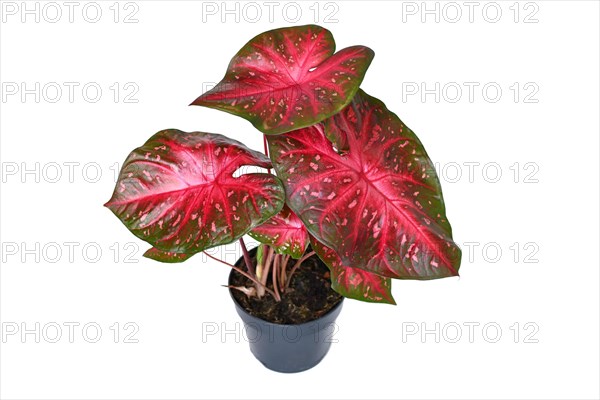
<point x="282" y="274"/>
<point x="247" y="259"/>
<point x="242" y="272"/>
<point x="275" y="272"/>
<point x="266" y="146"/>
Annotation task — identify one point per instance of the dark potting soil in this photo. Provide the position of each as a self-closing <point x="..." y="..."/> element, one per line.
<point x="308" y="297"/>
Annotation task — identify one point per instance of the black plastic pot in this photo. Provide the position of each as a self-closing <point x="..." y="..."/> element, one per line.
<point x="289" y="348"/>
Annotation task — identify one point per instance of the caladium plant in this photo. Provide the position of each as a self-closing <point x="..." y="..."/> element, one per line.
<point x="352" y="184"/>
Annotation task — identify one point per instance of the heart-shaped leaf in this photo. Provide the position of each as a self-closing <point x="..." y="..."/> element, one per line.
<point x="178" y="193"/>
<point x="380" y="205"/>
<point x="285" y="232"/>
<point x="354" y="283"/>
<point x="166" y="256"/>
<point x="289" y="78"/>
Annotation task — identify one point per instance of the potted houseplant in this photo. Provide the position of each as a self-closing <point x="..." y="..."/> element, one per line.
<point x="349" y="198"/>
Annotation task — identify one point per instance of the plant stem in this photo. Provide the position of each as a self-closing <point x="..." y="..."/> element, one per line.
<point x="275" y="272"/>
<point x="266" y="149"/>
<point x="247" y="259"/>
<point x="266" y="146"/>
<point x="298" y="263"/>
<point x="283" y="273"/>
<point x="267" y="266"/>
<point x="242" y="272"/>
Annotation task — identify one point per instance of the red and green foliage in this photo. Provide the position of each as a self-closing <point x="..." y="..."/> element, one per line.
<point x="285" y="232"/>
<point x="379" y="205"/>
<point x="351" y="179"/>
<point x="178" y="193"/>
<point x="166" y="256"/>
<point x="355" y="283"/>
<point x="288" y="79"/>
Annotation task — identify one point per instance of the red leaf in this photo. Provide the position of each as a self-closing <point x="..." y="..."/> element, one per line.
<point x="354" y="283"/>
<point x="177" y="191"/>
<point x="289" y="78"/>
<point x="285" y="232"/>
<point x="380" y="205"/>
<point x="166" y="256"/>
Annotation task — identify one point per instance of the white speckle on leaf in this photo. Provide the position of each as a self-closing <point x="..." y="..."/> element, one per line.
<point x="376" y="231"/>
<point x="177" y="220"/>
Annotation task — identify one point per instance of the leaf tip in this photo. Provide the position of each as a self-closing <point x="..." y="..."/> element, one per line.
<point x="196" y="102"/>
<point x="148" y="253"/>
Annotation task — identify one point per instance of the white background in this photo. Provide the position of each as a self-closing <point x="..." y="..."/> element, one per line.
<point x="549" y="279"/>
